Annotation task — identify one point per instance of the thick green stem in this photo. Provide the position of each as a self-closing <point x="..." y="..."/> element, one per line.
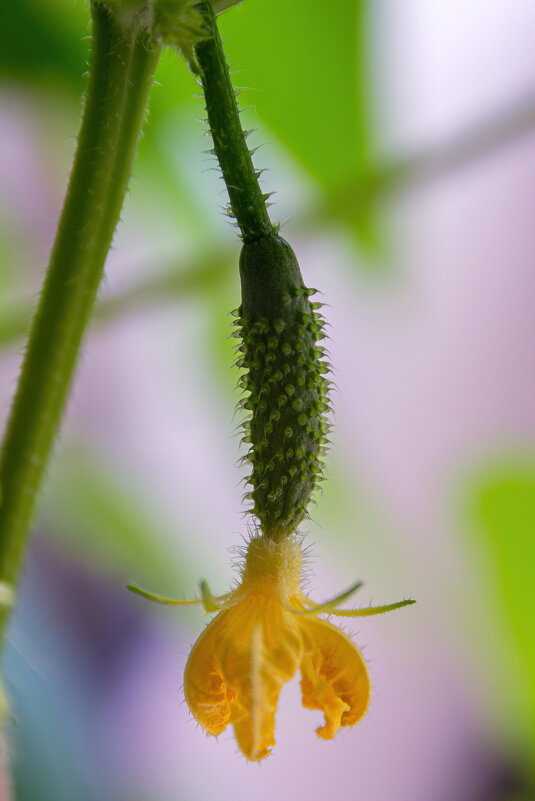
<point x="247" y="201"/>
<point x="121" y="74"/>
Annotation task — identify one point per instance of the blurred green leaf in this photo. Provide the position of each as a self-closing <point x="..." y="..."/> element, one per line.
<point x="502" y="508"/>
<point x="505" y="507"/>
<point x="172" y="113"/>
<point x="304" y="64"/>
<point x="44" y="41"/>
<point x="307" y="65"/>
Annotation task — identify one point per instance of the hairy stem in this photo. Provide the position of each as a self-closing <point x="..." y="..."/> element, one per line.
<point x="121" y="73"/>
<point x="247" y="202"/>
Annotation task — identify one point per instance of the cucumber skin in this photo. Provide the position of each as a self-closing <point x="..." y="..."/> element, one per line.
<point x="284" y="376"/>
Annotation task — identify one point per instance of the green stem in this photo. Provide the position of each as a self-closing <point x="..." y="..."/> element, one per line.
<point x="247" y="202"/>
<point x="121" y="74"/>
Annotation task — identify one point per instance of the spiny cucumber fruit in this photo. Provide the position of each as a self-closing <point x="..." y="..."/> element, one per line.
<point x="285" y="383"/>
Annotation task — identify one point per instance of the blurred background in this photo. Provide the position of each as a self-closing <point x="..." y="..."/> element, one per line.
<point x="399" y="138"/>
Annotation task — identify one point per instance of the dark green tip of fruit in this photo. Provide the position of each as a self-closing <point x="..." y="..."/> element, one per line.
<point x="269" y="274"/>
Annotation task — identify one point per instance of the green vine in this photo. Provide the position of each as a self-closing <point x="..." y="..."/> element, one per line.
<point x="123" y="61"/>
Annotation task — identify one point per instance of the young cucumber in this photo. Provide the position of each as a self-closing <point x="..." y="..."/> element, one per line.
<point x="284" y="378"/>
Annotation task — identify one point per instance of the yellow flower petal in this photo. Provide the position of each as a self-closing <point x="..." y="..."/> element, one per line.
<point x="334" y="677"/>
<point x="205" y="689"/>
<point x="237" y="668"/>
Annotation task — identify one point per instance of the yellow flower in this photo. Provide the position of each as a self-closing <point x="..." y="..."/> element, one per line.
<point x="266" y="629"/>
